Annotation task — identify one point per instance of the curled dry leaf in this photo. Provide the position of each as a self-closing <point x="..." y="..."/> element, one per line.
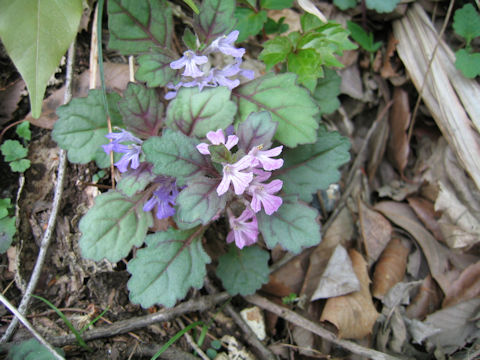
<point x="376" y="231"/>
<point x="9" y="98"/>
<point x="391" y="267"/>
<point x="425" y="211"/>
<point x="310" y="7"/>
<point x="387" y="70"/>
<point x="398" y="146"/>
<point x="354" y="314"/>
<point x="466" y="287"/>
<point x="426" y="301"/>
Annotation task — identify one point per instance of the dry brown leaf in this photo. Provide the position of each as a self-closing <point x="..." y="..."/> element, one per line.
<point x="116" y="79"/>
<point x="9" y="98"/>
<point x="391" y="267"/>
<point x="387" y="70"/>
<point x="376" y="231"/>
<point x="398" y="146"/>
<point x="425" y="211"/>
<point x="426" y="301"/>
<point x="354" y="314"/>
<point x="466" y="287"/>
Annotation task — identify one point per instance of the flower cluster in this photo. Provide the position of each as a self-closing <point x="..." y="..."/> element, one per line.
<point x="199" y="72"/>
<point x="132" y="151"/>
<point x="248" y="178"/>
<point x="163" y="197"/>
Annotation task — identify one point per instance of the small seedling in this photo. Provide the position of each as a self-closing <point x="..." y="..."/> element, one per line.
<point x="466" y="23"/>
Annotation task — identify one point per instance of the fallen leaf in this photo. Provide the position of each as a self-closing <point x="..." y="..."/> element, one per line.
<point x="398" y="145"/>
<point x="305" y="340"/>
<point x="425" y="211"/>
<point x="466" y="287"/>
<point x="427" y="300"/>
<point x="387" y="70"/>
<point x="391" y="267"/>
<point x="375" y="229"/>
<point x="310" y="7"/>
<point x="354" y="314"/>
<point x="9" y="98"/>
<point x="254" y="318"/>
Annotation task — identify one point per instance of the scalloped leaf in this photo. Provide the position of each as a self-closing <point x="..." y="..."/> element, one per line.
<point x="154" y="68"/>
<point x="31" y="350"/>
<point x="215" y="19"/>
<point x="293" y="226"/>
<point x="309" y="168"/>
<point x="466" y="22"/>
<point x="195" y="112"/>
<point x="327" y="91"/>
<point x="198" y="203"/>
<point x="174" y="154"/>
<point x="36" y="34"/>
<point x="163" y="272"/>
<point x="142" y="110"/>
<point x="113" y="226"/>
<point x="289" y="104"/>
<point x="257" y="129"/>
<point x="136" y="180"/>
<point x="243" y="271"/>
<point x="468" y="63"/>
<point x="7" y="231"/>
<point x="382" y="6"/>
<point x="249" y="22"/>
<point x="82" y="125"/>
<point x="138" y="26"/>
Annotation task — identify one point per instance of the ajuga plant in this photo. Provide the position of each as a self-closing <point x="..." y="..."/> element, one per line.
<point x="198" y="139"/>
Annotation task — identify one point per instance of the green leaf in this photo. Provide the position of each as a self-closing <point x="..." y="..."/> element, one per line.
<point x="290" y="105"/>
<point x="195" y="112"/>
<point x="138" y="26"/>
<point x="273" y="27"/>
<point x="312" y="167"/>
<point x="7" y="231"/>
<point x="275" y="51"/>
<point x="468" y="63"/>
<point x="249" y="22"/>
<point x="192" y="6"/>
<point x="31" y="350"/>
<point x="306" y="64"/>
<point x="243" y="271"/>
<point x="134" y="181"/>
<point x="382" y="6"/>
<point x="293" y="226"/>
<point x="276" y="4"/>
<point x="174" y="154"/>
<point x="345" y="4"/>
<point x="257" y="129"/>
<point x="189" y="39"/>
<point x="327" y="91"/>
<point x="82" y="125"/>
<point x="163" y="272"/>
<point x="310" y="22"/>
<point x="113" y="226"/>
<point x="466" y="23"/>
<point x="364" y="39"/>
<point x="215" y="19"/>
<point x="20" y="165"/>
<point x="142" y="110"/>
<point x="154" y="68"/>
<point x="23" y="130"/>
<point x="36" y="34"/>
<point x="198" y="203"/>
<point x="12" y="150"/>
<point x="5" y="205"/>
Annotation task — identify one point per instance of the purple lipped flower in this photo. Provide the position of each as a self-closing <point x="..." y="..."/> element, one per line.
<point x="163" y="197"/>
<point x="217" y="138"/>
<point x="221" y="76"/>
<point x="262" y="194"/>
<point x="132" y="151"/>
<point x="224" y="44"/>
<point x="190" y="61"/>
<point x="232" y="173"/>
<point x="243" y="232"/>
<point x="263" y="157"/>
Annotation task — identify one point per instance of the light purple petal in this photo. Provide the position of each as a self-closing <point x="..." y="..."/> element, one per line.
<point x="232" y="140"/>
<point x="216" y="137"/>
<point x="241" y="181"/>
<point x="223" y="186"/>
<point x="203" y="149"/>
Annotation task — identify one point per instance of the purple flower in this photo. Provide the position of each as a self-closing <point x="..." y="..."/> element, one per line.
<point x="263" y="157"/>
<point x="262" y="194"/>
<point x="232" y="174"/>
<point x="163" y="197"/>
<point x="132" y="151"/>
<point x="217" y="138"/>
<point x="244" y="233"/>
<point x="190" y="61"/>
<point x="224" y="44"/>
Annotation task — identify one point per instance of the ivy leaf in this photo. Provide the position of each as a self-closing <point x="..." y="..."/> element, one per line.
<point x="195" y="112"/>
<point x="382" y="6"/>
<point x="163" y="272"/>
<point x="20" y="165"/>
<point x="306" y="64"/>
<point x="142" y="110"/>
<point x="23" y="130"/>
<point x="243" y="271"/>
<point x="82" y="125"/>
<point x="138" y="26"/>
<point x="345" y="4"/>
<point x="290" y="105"/>
<point x="174" y="154"/>
<point x="215" y="19"/>
<point x="466" y="23"/>
<point x="31" y="350"/>
<point x="113" y="226"/>
<point x="7" y="231"/>
<point x="154" y="68"/>
<point x="327" y="91"/>
<point x="36" y="34"/>
<point x="309" y="168"/>
<point x="468" y="63"/>
<point x="136" y="180"/>
<point x="276" y="4"/>
<point x="12" y="150"/>
<point x="249" y="22"/>
<point x="275" y="51"/>
<point x="257" y="129"/>
<point x="198" y="203"/>
<point x="293" y="226"/>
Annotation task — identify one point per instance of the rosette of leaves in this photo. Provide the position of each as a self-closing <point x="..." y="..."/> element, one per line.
<point x="308" y="52"/>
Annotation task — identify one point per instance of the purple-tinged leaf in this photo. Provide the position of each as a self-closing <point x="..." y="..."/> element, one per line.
<point x="199" y="202"/>
<point x="258" y="129"/>
<point x="136" y="180"/>
<point x="138" y="26"/>
<point x="142" y="110"/>
<point x="154" y="68"/>
<point x="215" y="19"/>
